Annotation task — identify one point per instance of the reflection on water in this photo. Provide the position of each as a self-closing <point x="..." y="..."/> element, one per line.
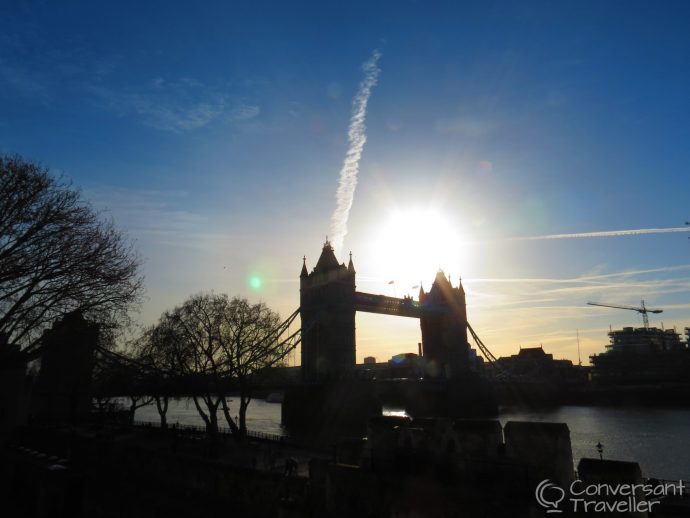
<point x="656" y="438"/>
<point x="394" y="412"/>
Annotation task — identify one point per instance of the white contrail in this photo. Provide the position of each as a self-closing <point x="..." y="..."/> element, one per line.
<point x="357" y="137"/>
<point x="606" y="233"/>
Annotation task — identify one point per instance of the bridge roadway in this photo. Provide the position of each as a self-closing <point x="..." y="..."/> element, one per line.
<point x="182" y="388"/>
<point x="405" y="307"/>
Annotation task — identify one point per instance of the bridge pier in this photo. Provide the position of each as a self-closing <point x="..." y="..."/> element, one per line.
<point x="469" y="397"/>
<point x="326" y="411"/>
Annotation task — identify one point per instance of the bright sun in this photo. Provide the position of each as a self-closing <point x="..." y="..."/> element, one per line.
<point x="413" y="244"/>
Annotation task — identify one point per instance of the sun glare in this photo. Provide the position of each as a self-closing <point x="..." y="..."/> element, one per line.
<point x="413" y="244"/>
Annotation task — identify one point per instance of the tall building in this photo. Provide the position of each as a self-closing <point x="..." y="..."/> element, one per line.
<point x="63" y="388"/>
<point x="327" y="302"/>
<point x="444" y="328"/>
<point x="642" y="355"/>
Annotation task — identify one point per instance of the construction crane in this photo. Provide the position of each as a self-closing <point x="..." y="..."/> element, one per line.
<point x="643" y="310"/>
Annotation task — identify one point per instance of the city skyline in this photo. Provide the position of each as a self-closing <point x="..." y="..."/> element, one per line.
<point x="499" y="140"/>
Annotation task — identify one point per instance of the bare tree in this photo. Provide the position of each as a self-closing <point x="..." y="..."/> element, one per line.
<point x="124" y="373"/>
<point x="224" y="343"/>
<point x="136" y="401"/>
<point x="195" y="340"/>
<point x="57" y="255"/>
<point x="104" y="401"/>
<point x="250" y="343"/>
<point x="157" y="350"/>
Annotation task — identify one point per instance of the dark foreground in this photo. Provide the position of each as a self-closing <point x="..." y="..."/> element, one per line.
<point x="434" y="468"/>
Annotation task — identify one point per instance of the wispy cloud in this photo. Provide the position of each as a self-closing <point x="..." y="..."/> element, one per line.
<point x="548" y="310"/>
<point x="178" y="106"/>
<point x="20" y="80"/>
<point x="357" y="137"/>
<point x="627" y="285"/>
<point x="605" y="233"/>
<point x="51" y="76"/>
<point x="33" y="67"/>
<point x="152" y="215"/>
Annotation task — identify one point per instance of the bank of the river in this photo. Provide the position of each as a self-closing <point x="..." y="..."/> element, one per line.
<point x="655" y="438"/>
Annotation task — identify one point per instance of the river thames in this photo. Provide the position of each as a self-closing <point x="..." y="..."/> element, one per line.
<point x="655" y="438"/>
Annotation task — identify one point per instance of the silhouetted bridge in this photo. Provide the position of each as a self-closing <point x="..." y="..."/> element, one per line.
<point x="328" y="304"/>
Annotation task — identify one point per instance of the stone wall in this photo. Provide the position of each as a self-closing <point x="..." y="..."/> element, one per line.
<point x="539" y="450"/>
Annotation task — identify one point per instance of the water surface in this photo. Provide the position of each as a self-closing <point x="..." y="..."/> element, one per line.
<point x="655" y="438"/>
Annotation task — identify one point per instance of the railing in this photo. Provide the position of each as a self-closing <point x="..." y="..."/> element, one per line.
<point x="382" y="304"/>
<point x="263" y="436"/>
<point x="223" y="430"/>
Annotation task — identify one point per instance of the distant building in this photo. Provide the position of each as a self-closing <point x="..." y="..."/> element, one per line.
<point x="403" y="365"/>
<point x="642" y="340"/>
<point x="533" y="364"/>
<point x="406" y="365"/>
<point x="642" y="355"/>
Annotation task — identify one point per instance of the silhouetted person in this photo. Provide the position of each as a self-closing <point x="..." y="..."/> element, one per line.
<point x="290" y="466"/>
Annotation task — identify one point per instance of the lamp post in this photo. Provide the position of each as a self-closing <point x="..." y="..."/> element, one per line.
<point x="600" y="449"/>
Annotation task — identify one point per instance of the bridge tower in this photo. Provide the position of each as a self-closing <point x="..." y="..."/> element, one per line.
<point x="327" y="302"/>
<point x="444" y="329"/>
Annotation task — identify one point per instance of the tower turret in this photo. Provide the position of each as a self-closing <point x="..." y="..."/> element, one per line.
<point x="444" y="328"/>
<point x="351" y="266"/>
<point x="328" y="318"/>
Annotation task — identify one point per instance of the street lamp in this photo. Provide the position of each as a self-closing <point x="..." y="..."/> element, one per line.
<point x="600" y="449"/>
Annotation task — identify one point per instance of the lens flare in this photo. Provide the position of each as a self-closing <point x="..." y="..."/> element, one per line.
<point x="255" y="282"/>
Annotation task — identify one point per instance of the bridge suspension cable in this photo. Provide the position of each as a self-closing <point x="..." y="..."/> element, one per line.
<point x="114" y="357"/>
<point x="493" y="361"/>
<point x="284" y="346"/>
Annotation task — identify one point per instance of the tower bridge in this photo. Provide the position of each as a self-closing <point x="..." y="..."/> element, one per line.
<point x="331" y="399"/>
<point x="328" y="304"/>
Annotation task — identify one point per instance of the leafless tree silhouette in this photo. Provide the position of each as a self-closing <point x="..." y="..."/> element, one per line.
<point x="224" y="342"/>
<point x="56" y="255"/>
<point x="157" y="349"/>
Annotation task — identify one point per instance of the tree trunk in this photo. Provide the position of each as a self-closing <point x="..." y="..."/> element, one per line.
<point x="213" y="423"/>
<point x="132" y="410"/>
<point x="244" y="403"/>
<point x="212" y="430"/>
<point x="231" y="422"/>
<point x="203" y="414"/>
<point x="135" y="404"/>
<point x="162" y="407"/>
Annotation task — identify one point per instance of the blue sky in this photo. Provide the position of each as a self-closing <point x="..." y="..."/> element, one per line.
<point x="214" y="134"/>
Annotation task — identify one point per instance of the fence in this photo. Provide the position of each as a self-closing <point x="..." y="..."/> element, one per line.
<point x="223" y="430"/>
